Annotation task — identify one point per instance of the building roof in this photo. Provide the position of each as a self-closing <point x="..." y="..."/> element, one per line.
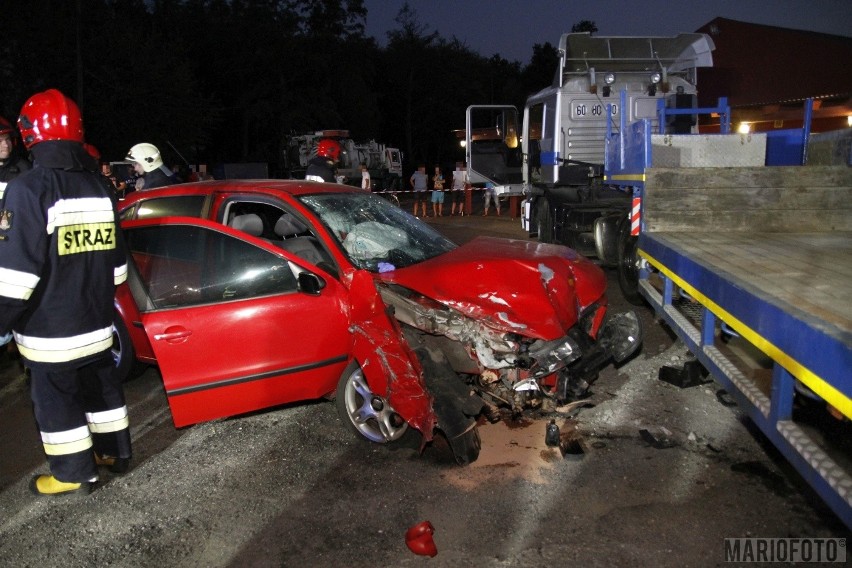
<point x="755" y="65"/>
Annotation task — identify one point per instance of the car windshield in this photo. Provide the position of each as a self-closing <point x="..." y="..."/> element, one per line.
<point x="376" y="235"/>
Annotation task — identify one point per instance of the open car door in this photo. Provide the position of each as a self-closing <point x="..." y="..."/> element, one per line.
<point x="236" y="326"/>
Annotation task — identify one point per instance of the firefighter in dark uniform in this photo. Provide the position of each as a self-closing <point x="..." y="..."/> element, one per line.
<point x="321" y="167"/>
<point x="11" y="163"/>
<point x="61" y="256"/>
<point x="11" y="166"/>
<point x="148" y="164"/>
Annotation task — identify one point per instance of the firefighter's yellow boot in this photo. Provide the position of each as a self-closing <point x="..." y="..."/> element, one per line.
<point x="49" y="485"/>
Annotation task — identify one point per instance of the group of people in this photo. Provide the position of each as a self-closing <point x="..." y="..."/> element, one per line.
<point x="61" y="257"/>
<point x="421" y="184"/>
<point x="426" y="188"/>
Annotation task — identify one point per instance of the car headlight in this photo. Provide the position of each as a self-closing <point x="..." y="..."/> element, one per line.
<point x="553" y="355"/>
<point x="622" y="335"/>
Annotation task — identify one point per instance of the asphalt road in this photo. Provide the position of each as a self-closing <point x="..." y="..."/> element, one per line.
<point x="659" y="477"/>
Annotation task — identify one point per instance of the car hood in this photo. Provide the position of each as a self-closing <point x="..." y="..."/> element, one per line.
<point x="529" y="288"/>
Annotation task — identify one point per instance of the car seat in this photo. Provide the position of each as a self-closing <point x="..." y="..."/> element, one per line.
<point x="289" y="228"/>
<point x="250" y="223"/>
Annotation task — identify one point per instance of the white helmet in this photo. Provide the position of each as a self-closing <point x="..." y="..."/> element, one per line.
<point x="147" y="155"/>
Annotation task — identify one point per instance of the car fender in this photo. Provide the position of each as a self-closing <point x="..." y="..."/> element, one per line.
<point x="388" y="363"/>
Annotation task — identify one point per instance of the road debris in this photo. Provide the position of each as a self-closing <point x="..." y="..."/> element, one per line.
<point x="419" y="539"/>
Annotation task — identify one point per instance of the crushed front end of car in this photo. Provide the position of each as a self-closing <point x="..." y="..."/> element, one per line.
<point x="510" y="369"/>
<point x="524" y="326"/>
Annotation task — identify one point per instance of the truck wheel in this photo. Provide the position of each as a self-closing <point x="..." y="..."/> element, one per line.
<point x="544" y="219"/>
<point x="628" y="264"/>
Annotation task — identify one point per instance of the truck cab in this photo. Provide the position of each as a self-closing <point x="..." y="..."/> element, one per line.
<point x="555" y="157"/>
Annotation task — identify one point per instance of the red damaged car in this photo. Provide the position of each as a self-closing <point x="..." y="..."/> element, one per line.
<point x="251" y="294"/>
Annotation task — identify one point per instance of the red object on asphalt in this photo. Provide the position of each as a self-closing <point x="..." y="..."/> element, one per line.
<point x="419" y="539"/>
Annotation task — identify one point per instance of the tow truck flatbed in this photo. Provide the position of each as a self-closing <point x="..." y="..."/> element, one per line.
<point x="790" y="300"/>
<point x="789" y="293"/>
<point x="731" y="246"/>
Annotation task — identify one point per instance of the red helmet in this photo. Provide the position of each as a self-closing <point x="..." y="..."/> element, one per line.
<point x="6" y="127"/>
<point x="50" y="116"/>
<point x="328" y="148"/>
<point x="93" y="151"/>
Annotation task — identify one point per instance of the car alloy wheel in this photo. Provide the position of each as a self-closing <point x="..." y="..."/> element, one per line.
<point x="369" y="414"/>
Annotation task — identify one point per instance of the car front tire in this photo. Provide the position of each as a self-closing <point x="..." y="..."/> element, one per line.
<point x="368" y="414"/>
<point x="123" y="352"/>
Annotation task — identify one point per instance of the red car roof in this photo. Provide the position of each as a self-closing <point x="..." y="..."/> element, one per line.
<point x="293" y="187"/>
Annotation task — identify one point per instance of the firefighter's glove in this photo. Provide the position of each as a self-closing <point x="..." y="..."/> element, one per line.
<point x="4" y="339"/>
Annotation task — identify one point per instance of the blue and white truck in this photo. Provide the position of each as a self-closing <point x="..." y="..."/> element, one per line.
<point x="742" y="243"/>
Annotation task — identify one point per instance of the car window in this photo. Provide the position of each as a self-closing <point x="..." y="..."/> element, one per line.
<point x="278" y="225"/>
<point x="240" y="207"/>
<point x="177" y="206"/>
<point x="184" y="265"/>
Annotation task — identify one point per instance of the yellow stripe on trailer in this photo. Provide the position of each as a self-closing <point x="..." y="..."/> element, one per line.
<point x="816" y="383"/>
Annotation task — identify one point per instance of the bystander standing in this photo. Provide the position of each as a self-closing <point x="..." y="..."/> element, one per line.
<point x="118" y="186"/>
<point x="491" y="194"/>
<point x="366" y="182"/>
<point x="419" y="183"/>
<point x="460" y="186"/>
<point x="438" y="193"/>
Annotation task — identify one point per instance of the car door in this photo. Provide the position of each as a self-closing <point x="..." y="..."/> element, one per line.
<point x="236" y="324"/>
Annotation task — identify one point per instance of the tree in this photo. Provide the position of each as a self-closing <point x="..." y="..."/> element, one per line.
<point x="229" y="80"/>
<point x="408" y="68"/>
<point x="542" y="67"/>
<point x="584" y="26"/>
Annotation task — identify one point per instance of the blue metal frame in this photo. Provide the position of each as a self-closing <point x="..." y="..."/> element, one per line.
<point x="628" y="151"/>
<point x="771" y="414"/>
<point x="804" y="339"/>
<point x="793" y="336"/>
<point x="722" y="109"/>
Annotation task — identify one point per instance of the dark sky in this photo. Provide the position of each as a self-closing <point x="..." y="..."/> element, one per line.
<point x="511" y="27"/>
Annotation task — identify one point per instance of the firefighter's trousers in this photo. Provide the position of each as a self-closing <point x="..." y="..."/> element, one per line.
<point x="80" y="410"/>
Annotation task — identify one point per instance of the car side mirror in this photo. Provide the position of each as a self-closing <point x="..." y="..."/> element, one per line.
<point x="310" y="283"/>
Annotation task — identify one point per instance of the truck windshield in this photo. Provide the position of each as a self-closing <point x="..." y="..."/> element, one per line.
<point x="494" y="151"/>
